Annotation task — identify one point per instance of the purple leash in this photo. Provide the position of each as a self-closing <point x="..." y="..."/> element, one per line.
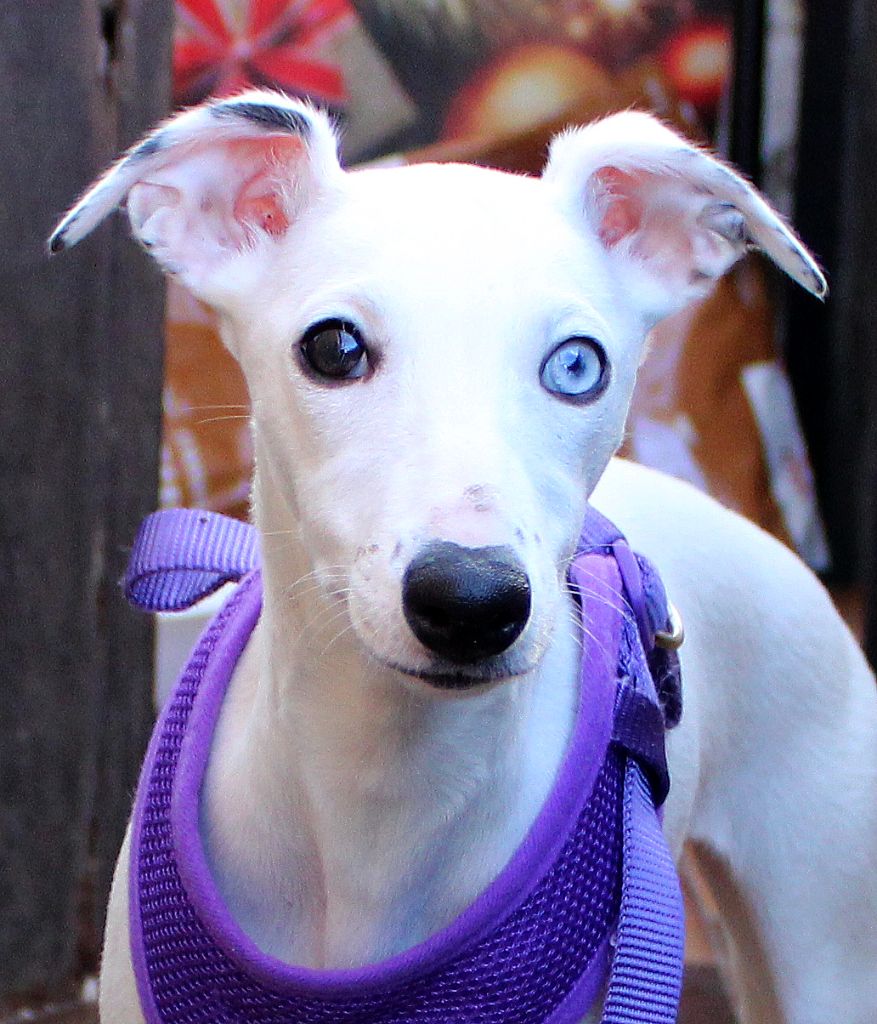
<point x="181" y="556"/>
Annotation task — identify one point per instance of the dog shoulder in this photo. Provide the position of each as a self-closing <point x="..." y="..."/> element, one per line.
<point x="764" y="643"/>
<point x="711" y="553"/>
<point x="119" y="1002"/>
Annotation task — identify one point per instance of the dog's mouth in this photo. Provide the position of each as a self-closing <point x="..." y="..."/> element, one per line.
<point x="458" y="678"/>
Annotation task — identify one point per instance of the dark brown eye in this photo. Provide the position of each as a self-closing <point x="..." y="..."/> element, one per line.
<point x="335" y="349"/>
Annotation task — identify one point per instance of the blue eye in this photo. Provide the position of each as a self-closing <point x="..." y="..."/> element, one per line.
<point x="576" y="369"/>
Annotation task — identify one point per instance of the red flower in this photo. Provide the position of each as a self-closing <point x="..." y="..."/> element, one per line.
<point x="275" y="49"/>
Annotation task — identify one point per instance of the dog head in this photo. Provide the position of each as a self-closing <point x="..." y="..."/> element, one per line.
<point x="440" y="358"/>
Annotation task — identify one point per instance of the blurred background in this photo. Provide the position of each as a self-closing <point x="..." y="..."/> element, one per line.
<point x="118" y="397"/>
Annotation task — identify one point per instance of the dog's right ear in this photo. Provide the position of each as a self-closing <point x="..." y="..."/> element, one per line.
<point x="215" y="181"/>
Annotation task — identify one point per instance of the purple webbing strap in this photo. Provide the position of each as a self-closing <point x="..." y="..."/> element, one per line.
<point x="182" y="555"/>
<point x="645" y="981"/>
<point x="645" y="593"/>
<point x="648" y="601"/>
<point x="639" y="729"/>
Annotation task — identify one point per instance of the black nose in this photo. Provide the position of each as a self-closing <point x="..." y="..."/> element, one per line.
<point x="466" y="603"/>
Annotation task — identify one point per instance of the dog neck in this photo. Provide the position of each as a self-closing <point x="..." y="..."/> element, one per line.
<point x="349" y="812"/>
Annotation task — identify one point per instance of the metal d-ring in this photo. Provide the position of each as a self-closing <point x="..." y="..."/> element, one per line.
<point x="674" y="637"/>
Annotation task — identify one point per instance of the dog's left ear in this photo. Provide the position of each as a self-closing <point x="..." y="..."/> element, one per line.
<point x="213" y="183"/>
<point x="671" y="217"/>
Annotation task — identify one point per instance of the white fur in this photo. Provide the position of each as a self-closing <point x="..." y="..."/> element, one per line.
<point x="350" y="809"/>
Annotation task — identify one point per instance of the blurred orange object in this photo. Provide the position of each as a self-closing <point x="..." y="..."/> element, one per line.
<point x="527" y="86"/>
<point x="207" y="452"/>
<point x="697" y="62"/>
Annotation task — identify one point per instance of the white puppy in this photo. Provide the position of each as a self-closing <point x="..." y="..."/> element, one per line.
<point x="353" y="803"/>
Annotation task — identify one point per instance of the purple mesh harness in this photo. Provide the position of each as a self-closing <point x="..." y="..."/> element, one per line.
<point x="588" y="905"/>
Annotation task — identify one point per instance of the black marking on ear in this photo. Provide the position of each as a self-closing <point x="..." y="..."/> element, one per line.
<point x="57" y="243"/>
<point x="736" y="183"/>
<point x="292" y="121"/>
<point x="58" y="240"/>
<point x="148" y="147"/>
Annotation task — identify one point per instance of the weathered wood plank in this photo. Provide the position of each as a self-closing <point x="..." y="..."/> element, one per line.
<point x="131" y="357"/>
<point x="80" y="364"/>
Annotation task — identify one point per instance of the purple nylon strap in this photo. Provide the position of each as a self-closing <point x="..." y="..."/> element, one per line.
<point x="648" y="602"/>
<point x="180" y="556"/>
<point x="642" y="585"/>
<point x="645" y="981"/>
<point x="639" y="729"/>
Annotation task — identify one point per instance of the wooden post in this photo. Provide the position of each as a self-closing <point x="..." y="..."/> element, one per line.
<point x="81" y="341"/>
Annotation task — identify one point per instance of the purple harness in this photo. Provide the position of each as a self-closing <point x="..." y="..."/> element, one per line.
<point x="591" y="894"/>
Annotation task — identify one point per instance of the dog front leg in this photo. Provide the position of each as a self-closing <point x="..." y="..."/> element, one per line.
<point x="119" y="1001"/>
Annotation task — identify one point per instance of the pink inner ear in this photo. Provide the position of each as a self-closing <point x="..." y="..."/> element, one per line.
<point x="261" y="203"/>
<point x="620" y="210"/>
<point x="263" y="198"/>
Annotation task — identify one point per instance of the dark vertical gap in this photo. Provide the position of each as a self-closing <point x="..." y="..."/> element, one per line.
<point x="746" y="106"/>
<point x="851" y="416"/>
<point x="811" y="355"/>
<point x="109" y="23"/>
